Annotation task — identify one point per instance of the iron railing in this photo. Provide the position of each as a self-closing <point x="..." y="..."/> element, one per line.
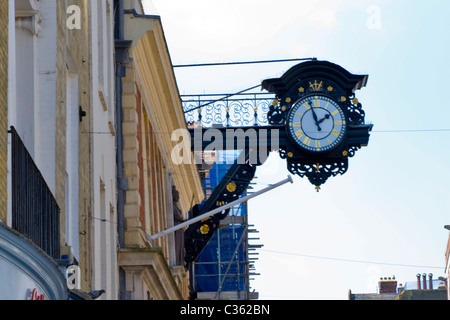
<point x="209" y="110"/>
<point x="35" y="213"/>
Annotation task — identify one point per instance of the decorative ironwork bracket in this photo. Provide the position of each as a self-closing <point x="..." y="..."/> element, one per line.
<point x="232" y="186"/>
<point x="257" y="124"/>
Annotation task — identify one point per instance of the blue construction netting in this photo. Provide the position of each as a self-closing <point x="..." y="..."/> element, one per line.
<point x="222" y="263"/>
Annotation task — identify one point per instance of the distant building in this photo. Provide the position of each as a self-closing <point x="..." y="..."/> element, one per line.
<point x="422" y="289"/>
<point x="387" y="290"/>
<point x="447" y="261"/>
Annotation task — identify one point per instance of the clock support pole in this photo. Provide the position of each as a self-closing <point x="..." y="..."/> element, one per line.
<point x="208" y="214"/>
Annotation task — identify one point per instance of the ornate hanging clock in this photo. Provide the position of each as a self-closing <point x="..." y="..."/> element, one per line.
<point x="323" y="120"/>
<point x="316" y="124"/>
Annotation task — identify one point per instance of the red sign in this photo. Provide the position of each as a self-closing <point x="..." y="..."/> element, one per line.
<point x="35" y="296"/>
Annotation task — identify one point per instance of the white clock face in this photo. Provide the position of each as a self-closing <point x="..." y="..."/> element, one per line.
<point x="317" y="123"/>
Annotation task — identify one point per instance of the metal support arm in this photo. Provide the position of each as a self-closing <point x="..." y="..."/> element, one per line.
<point x="219" y="209"/>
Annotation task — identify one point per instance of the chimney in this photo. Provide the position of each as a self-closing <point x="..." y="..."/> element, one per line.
<point x="430" y="280"/>
<point x="418" y="282"/>
<point x="387" y="285"/>
<point x="424" y="280"/>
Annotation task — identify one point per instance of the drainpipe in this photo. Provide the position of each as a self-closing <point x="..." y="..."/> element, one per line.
<point x="121" y="57"/>
<point x="121" y="182"/>
<point x="118" y="35"/>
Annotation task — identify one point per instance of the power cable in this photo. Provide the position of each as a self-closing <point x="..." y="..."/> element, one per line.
<point x="348" y="260"/>
<point x="373" y="131"/>
<point x="240" y="62"/>
<point x="411" y="130"/>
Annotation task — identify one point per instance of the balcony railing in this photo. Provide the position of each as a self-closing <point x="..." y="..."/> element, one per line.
<point x="242" y="110"/>
<point x="35" y="213"/>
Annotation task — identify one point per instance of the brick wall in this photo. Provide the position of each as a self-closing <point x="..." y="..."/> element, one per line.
<point x="3" y="107"/>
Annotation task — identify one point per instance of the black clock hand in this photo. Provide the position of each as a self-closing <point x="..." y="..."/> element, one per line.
<point x="322" y="120"/>
<point x="315" y="116"/>
<point x="314" y="113"/>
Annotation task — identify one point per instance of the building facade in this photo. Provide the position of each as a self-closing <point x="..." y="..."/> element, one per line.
<point x="79" y="90"/>
<point x="103" y="242"/>
<point x="58" y="163"/>
<point x="89" y="103"/>
<point x="158" y="191"/>
<point x="34" y="237"/>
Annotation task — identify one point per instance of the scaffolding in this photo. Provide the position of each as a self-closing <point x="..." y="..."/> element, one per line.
<point x="226" y="265"/>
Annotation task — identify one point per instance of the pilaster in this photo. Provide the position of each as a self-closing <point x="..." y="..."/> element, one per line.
<point x="134" y="234"/>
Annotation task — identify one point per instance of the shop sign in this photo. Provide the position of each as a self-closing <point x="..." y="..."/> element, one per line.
<point x="36" y="296"/>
